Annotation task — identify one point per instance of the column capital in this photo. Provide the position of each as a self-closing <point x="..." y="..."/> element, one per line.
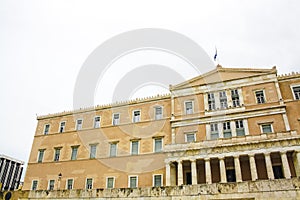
<point x="251" y="154"/>
<point x="283" y="152"/>
<point x="206" y="159"/>
<point x="236" y="156"/>
<point x="192" y="160"/>
<point x="221" y="158"/>
<point x="267" y="153"/>
<point x="179" y="161"/>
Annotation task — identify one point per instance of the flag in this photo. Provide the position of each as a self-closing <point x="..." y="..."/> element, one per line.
<point x="216" y="54"/>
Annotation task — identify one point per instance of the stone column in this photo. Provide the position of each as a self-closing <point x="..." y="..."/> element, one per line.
<point x="168" y="174"/>
<point x="297" y="162"/>
<point x="208" y="171"/>
<point x="180" y="173"/>
<point x="222" y="170"/>
<point x="194" y="172"/>
<point x="2" y="167"/>
<point x="237" y="167"/>
<point x="269" y="166"/>
<point x="253" y="170"/>
<point x="173" y="136"/>
<point x="7" y="175"/>
<point x="285" y="165"/>
<point x="12" y="175"/>
<point x="233" y="128"/>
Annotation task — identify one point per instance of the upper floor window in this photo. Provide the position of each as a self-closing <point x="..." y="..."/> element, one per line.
<point x="69" y="184"/>
<point x="214" y="132"/>
<point x="79" y="124"/>
<point x="158" y="113"/>
<point x="260" y="97"/>
<point x="211" y="101"/>
<point x="189" y="107"/>
<point x="190" y="137"/>
<point x="157" y="180"/>
<point x="136" y="116"/>
<point x="235" y="98"/>
<point x="93" y="150"/>
<point x="97" y="122"/>
<point x="89" y="183"/>
<point x="41" y="155"/>
<point x="158" y="144"/>
<point x="62" y="127"/>
<point x="226" y="130"/>
<point x="34" y="185"/>
<point x="56" y="154"/>
<point x="223" y="99"/>
<point x="133" y="181"/>
<point x="110" y="182"/>
<point x="134" y="147"/>
<point x="51" y="185"/>
<point x="46" y="129"/>
<point x="116" y="119"/>
<point x="296" y="91"/>
<point x="267" y="128"/>
<point x="113" y="150"/>
<point x="74" y="152"/>
<point x="239" y="125"/>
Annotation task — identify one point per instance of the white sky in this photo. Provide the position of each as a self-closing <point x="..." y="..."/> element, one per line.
<point x="43" y="45"/>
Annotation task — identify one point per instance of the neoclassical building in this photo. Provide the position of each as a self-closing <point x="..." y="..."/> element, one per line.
<point x="230" y="125"/>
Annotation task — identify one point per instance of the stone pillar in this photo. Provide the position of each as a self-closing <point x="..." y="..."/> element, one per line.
<point x="168" y="174"/>
<point x="246" y="128"/>
<point x="286" y="122"/>
<point x="237" y="167"/>
<point x="7" y="175"/>
<point x="297" y="162"/>
<point x="194" y="172"/>
<point x="179" y="173"/>
<point x="222" y="170"/>
<point x="2" y="167"/>
<point x="12" y="175"/>
<point x="173" y="136"/>
<point x="285" y="165"/>
<point x="253" y="170"/>
<point x="208" y="171"/>
<point x="233" y="128"/>
<point x="269" y="166"/>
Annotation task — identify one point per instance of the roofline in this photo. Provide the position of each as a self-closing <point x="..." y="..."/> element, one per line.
<point x="12" y="159"/>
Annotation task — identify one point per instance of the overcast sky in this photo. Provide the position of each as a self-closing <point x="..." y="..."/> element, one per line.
<point x="43" y="45"/>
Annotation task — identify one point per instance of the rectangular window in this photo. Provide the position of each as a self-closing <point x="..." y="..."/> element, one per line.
<point x="34" y="185"/>
<point x="56" y="154"/>
<point x="93" y="150"/>
<point x="113" y="150"/>
<point x="136" y="116"/>
<point x="51" y="185"/>
<point x="79" y="124"/>
<point x="223" y="99"/>
<point x="97" y="122"/>
<point x="190" y="137"/>
<point x="89" y="183"/>
<point x="227" y="130"/>
<point x="69" y="184"/>
<point x="157" y="180"/>
<point x="239" y="125"/>
<point x="134" y="147"/>
<point x="110" y="182"/>
<point x="211" y="101"/>
<point x="266" y="128"/>
<point x="260" y="97"/>
<point x="133" y="181"/>
<point x="214" y="132"/>
<point x="46" y="129"/>
<point x="158" y="145"/>
<point x="116" y="119"/>
<point x="235" y="98"/>
<point x="158" y="113"/>
<point x="41" y="155"/>
<point x="62" y="127"/>
<point x="296" y="91"/>
<point x="74" y="152"/>
<point x="189" y="107"/>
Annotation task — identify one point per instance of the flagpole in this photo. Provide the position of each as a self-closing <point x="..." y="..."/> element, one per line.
<point x="216" y="59"/>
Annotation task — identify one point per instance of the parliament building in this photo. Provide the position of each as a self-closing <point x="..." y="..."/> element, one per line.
<point x="228" y="133"/>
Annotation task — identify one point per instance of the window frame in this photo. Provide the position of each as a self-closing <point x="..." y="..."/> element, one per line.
<point x="86" y="183"/>
<point x="116" y="149"/>
<point x="131" y="145"/>
<point x="96" y="121"/>
<point x="55" y="151"/>
<point x="60" y="126"/>
<point x="185" y="107"/>
<point x="32" y="184"/>
<point x="264" y="96"/>
<point x="77" y="128"/>
<point x="161" y="180"/>
<point x="118" y="120"/>
<point x="49" y="184"/>
<point x="294" y="95"/>
<point x="154" y="144"/>
<point x="227" y="129"/>
<point x="158" y="117"/>
<point x="235" y="98"/>
<point x="67" y="184"/>
<point x="238" y="128"/>
<point x="139" y="118"/>
<point x="93" y="156"/>
<point x="190" y="133"/>
<point x="263" y="124"/>
<point x="39" y="153"/>
<point x="74" y="147"/>
<point x="211" y="102"/>
<point x="129" y="181"/>
<point x="48" y="130"/>
<point x="113" y="183"/>
<point x="214" y="132"/>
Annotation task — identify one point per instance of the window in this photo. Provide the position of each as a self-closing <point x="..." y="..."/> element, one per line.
<point x="69" y="184"/>
<point x="79" y="124"/>
<point x="226" y="130"/>
<point x="158" y="113"/>
<point x="110" y="182"/>
<point x="239" y="125"/>
<point x="34" y="185"/>
<point x="211" y="101"/>
<point x="235" y="98"/>
<point x="93" y="150"/>
<point x="56" y="154"/>
<point x="116" y="119"/>
<point x="157" y="180"/>
<point x="260" y="98"/>
<point x="134" y="147"/>
<point x="97" y="122"/>
<point x="266" y="128"/>
<point x="51" y="185"/>
<point x="136" y="116"/>
<point x="214" y="133"/>
<point x="46" y="129"/>
<point x="158" y="145"/>
<point x="296" y="91"/>
<point x="89" y="183"/>
<point x="41" y="155"/>
<point x="190" y="137"/>
<point x="223" y="99"/>
<point x="113" y="150"/>
<point x="74" y="152"/>
<point x="133" y="181"/>
<point x="189" y="107"/>
<point x="62" y="127"/>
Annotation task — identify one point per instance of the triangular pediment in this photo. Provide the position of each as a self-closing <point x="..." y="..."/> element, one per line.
<point x="220" y="74"/>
